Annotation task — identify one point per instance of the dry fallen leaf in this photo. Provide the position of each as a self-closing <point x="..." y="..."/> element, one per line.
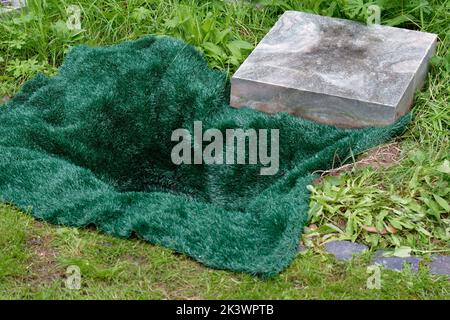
<point x="370" y="229"/>
<point x="389" y="229"/>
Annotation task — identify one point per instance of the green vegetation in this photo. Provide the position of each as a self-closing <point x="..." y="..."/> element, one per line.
<point x="376" y="207"/>
<point x="37" y="255"/>
<point x="364" y="204"/>
<point x="409" y="200"/>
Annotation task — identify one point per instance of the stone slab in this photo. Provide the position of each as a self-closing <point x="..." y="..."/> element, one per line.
<point x="440" y="265"/>
<point x="344" y="250"/>
<point x="334" y="71"/>
<point x="396" y="263"/>
<point x="8" y="6"/>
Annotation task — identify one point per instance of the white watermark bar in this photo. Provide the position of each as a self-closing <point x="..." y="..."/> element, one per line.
<point x="236" y="146"/>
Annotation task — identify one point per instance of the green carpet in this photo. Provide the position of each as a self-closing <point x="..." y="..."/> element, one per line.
<point x="92" y="145"/>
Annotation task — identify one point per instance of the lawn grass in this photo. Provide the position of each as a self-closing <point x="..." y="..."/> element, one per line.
<point x="35" y="255"/>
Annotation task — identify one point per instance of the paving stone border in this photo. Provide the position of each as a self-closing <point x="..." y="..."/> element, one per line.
<point x="344" y="250"/>
<point x="396" y="263"/>
<point x="440" y="265"/>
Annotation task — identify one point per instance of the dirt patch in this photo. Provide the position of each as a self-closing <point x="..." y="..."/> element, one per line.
<point x="136" y="260"/>
<point x="43" y="266"/>
<point x="382" y="156"/>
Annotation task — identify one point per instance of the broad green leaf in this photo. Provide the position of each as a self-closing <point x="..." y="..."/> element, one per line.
<point x="173" y="23"/>
<point x="219" y="36"/>
<point x="396" y="224"/>
<point x="441" y="201"/>
<point x="208" y="23"/>
<point x="435" y="209"/>
<point x="399" y="199"/>
<point x="444" y="167"/>
<point x="235" y="51"/>
<point x="395" y="240"/>
<point x="241" y="44"/>
<point x="60" y="27"/>
<point x="334" y="180"/>
<point x="423" y="231"/>
<point x="234" y="61"/>
<point x="213" y="49"/>
<point x="328" y="228"/>
<point x="419" y="157"/>
<point x="141" y="13"/>
<point x="402" y="252"/>
<point x="398" y="20"/>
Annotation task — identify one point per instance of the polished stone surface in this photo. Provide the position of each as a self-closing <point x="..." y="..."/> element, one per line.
<point x="334" y="71"/>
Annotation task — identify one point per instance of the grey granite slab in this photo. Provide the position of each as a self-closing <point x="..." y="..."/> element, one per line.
<point x="334" y="71"/>
<point x="8" y="6"/>
<point x="344" y="250"/>
<point x="396" y="263"/>
<point x="440" y="265"/>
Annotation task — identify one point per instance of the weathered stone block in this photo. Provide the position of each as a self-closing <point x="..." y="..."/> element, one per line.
<point x="334" y="71"/>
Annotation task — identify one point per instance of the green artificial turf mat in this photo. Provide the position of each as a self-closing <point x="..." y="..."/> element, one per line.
<point x="92" y="145"/>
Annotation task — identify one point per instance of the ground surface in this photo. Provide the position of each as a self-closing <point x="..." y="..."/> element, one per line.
<point x="393" y="197"/>
<point x="35" y="256"/>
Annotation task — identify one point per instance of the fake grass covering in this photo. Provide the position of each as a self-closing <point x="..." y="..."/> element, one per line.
<point x="92" y="146"/>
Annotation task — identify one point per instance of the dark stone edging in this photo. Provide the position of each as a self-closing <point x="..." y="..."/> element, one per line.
<point x="344" y="250"/>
